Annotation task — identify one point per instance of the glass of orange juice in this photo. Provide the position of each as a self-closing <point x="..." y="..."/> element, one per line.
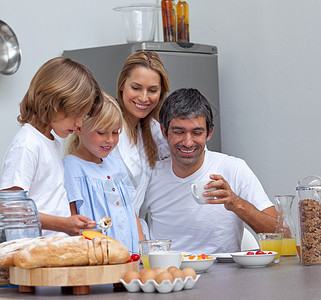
<point x="147" y="246"/>
<point x="271" y="242"/>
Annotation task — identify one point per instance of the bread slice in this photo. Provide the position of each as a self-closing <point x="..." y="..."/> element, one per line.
<point x="104" y="249"/>
<point x="97" y="249"/>
<point x="91" y="253"/>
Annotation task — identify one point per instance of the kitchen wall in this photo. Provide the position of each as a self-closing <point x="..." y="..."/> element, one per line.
<point x="269" y="71"/>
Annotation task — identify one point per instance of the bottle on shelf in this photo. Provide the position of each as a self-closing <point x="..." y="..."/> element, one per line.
<point x="182" y="21"/>
<point x="169" y="20"/>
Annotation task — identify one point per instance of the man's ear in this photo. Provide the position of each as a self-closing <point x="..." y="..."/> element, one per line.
<point x="210" y="134"/>
<point x="163" y="132"/>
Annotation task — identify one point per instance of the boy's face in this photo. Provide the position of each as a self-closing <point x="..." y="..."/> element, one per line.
<point x="186" y="140"/>
<point x="64" y="125"/>
<point x="96" y="144"/>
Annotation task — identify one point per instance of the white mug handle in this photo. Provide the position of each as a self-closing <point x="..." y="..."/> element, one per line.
<point x="194" y="187"/>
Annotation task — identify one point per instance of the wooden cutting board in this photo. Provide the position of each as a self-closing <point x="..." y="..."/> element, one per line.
<point x="70" y="276"/>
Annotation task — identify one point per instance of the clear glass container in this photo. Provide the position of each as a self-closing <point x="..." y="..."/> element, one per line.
<point x="139" y="21"/>
<point x="309" y="210"/>
<point x="147" y="246"/>
<point x="19" y="218"/>
<point x="286" y="224"/>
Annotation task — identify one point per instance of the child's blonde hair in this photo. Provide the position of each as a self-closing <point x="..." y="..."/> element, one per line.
<point x="63" y="85"/>
<point x="109" y="116"/>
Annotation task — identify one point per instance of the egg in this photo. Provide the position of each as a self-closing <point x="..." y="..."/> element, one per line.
<point x="142" y="271"/>
<point x="189" y="272"/>
<point x="159" y="270"/>
<point x="148" y="275"/>
<point x="172" y="269"/>
<point x="164" y="276"/>
<point x="130" y="275"/>
<point x="178" y="274"/>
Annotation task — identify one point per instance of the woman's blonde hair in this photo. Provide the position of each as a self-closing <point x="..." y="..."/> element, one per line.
<point x="149" y="60"/>
<point x="109" y="116"/>
<point x="63" y="85"/>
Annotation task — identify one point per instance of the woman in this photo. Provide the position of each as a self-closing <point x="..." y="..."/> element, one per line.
<point x="141" y="89"/>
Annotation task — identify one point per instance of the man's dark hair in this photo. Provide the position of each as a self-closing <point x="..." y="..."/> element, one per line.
<point x="183" y="104"/>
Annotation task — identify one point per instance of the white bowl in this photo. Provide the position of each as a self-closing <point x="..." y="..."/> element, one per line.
<point x="253" y="261"/>
<point x="164" y="259"/>
<point x="199" y="266"/>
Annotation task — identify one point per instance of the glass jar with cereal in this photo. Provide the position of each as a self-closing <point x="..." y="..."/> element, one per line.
<point x="309" y="210"/>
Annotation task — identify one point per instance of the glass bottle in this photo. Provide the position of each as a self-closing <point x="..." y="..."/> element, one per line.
<point x="169" y="21"/>
<point x="182" y="21"/>
<point x="285" y="224"/>
<point x="174" y="19"/>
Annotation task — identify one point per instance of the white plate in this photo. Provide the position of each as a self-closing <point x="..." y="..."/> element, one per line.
<point x="165" y="287"/>
<point x="223" y="257"/>
<point x="253" y="261"/>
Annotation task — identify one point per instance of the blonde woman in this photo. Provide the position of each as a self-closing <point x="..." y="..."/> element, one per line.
<point x="141" y="89"/>
<point x="98" y="184"/>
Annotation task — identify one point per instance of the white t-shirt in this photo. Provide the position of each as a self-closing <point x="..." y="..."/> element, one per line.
<point x="198" y="228"/>
<point x="33" y="162"/>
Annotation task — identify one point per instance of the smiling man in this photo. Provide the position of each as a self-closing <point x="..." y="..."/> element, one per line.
<point x="187" y="124"/>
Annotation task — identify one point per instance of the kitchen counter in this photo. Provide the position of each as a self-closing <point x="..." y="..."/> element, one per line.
<point x="286" y="280"/>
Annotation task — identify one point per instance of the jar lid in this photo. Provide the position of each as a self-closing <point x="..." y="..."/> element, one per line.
<point x="309" y="183"/>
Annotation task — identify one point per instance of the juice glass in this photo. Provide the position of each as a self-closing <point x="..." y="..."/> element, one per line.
<point x="271" y="242"/>
<point x="147" y="246"/>
<point x="288" y="247"/>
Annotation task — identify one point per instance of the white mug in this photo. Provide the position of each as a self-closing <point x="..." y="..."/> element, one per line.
<point x="197" y="188"/>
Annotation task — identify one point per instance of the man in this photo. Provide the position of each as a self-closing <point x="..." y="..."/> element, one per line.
<point x="187" y="123"/>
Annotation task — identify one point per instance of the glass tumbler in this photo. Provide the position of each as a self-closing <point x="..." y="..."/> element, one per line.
<point x="271" y="242"/>
<point x="147" y="246"/>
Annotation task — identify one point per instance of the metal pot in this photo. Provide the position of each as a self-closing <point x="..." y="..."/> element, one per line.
<point x="10" y="53"/>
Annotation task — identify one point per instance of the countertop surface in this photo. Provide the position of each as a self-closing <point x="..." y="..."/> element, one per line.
<point x="286" y="280"/>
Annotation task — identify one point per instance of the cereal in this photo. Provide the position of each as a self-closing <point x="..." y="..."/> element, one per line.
<point x="310" y="225"/>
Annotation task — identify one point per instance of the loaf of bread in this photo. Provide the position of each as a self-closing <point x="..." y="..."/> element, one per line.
<point x="117" y="252"/>
<point x="55" y="251"/>
<point x="9" y="249"/>
<point x="63" y="251"/>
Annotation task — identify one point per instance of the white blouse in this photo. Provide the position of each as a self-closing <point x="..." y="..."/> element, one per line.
<point x="136" y="160"/>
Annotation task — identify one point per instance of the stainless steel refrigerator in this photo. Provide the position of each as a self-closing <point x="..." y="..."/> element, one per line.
<point x="195" y="66"/>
